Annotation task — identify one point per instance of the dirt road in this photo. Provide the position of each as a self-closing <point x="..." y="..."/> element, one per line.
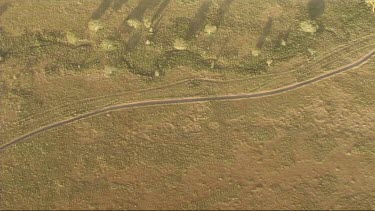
<point x="189" y="100"/>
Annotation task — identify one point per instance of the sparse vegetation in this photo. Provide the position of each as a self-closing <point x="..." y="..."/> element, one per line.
<point x="306" y="149"/>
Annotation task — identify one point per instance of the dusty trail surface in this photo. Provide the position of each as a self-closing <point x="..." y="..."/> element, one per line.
<point x="190" y="100"/>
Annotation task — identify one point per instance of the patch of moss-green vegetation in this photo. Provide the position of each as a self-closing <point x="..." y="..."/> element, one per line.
<point x="353" y="14"/>
<point x="53" y="50"/>
<point x="327" y="184"/>
<point x="143" y="62"/>
<point x="320" y="148"/>
<point x="364" y="147"/>
<point x="252" y="66"/>
<point x="28" y="101"/>
<point x="220" y="195"/>
<point x="176" y="58"/>
<point x="179" y="26"/>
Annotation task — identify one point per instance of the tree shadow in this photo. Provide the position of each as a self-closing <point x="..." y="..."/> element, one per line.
<point x="266" y="31"/>
<point x="133" y="41"/>
<point x="224" y="8"/>
<point x="157" y="17"/>
<point x="283" y="36"/>
<point x="198" y="21"/>
<point x="3" y="8"/>
<point x="103" y="7"/>
<point x="139" y="11"/>
<point x="118" y="4"/>
<point x="316" y="8"/>
<point x="159" y="13"/>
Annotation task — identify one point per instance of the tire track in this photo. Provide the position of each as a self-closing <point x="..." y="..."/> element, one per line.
<point x="189" y="100"/>
<point x="319" y="62"/>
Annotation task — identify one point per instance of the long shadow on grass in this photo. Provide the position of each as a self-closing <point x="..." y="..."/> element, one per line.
<point x="283" y="36"/>
<point x="103" y="7"/>
<point x="159" y="13"/>
<point x="133" y="41"/>
<point x="157" y="17"/>
<point x="3" y="8"/>
<point x="224" y="8"/>
<point x="316" y="8"/>
<point x="139" y="11"/>
<point x="117" y="4"/>
<point x="265" y="33"/>
<point x="138" y="14"/>
<point x="198" y="21"/>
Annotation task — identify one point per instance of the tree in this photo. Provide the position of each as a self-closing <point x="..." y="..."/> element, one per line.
<point x="371" y="3"/>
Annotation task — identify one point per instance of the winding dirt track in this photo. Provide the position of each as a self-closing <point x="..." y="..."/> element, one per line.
<point x="189" y="100"/>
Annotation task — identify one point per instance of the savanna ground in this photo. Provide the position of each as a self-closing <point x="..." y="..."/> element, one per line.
<point x="312" y="148"/>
